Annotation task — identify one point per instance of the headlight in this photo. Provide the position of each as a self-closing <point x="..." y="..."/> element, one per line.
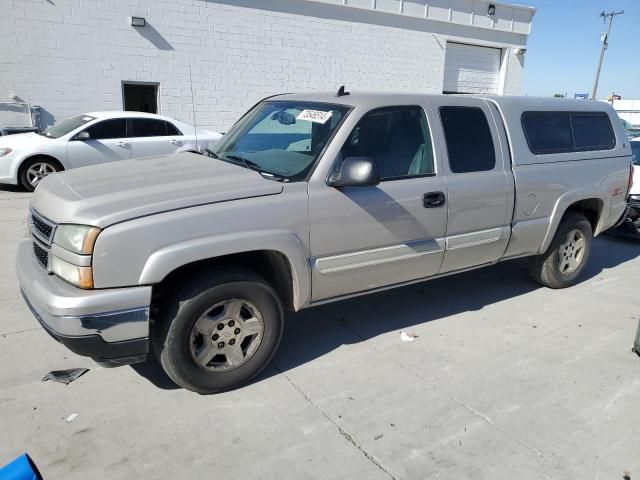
<point x="79" y="276"/>
<point x="76" y="238"/>
<point x="5" y="151"/>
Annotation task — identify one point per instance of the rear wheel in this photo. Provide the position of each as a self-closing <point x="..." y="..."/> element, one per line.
<point x="219" y="332"/>
<point x="565" y="259"/>
<point x="35" y="169"/>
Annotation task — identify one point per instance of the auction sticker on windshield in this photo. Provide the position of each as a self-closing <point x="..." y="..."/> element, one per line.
<point x="317" y="116"/>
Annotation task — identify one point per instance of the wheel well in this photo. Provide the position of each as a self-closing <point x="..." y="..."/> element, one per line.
<point x="35" y="157"/>
<point x="590" y="208"/>
<point x="271" y="265"/>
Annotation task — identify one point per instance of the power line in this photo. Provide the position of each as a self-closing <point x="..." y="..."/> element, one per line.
<point x="605" y="44"/>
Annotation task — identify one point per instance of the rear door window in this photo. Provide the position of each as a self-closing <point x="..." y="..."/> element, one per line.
<point x="114" y="128"/>
<point x="564" y="132"/>
<point x="172" y="129"/>
<point x="148" y="127"/>
<point x="468" y="138"/>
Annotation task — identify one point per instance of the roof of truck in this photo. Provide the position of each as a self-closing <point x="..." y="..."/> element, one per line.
<point x="374" y="99"/>
<point x="511" y="109"/>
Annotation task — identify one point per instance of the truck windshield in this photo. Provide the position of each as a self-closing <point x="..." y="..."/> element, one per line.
<point x="67" y="126"/>
<point x="282" y="138"/>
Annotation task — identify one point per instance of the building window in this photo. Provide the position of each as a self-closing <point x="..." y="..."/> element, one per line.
<point x="140" y="97"/>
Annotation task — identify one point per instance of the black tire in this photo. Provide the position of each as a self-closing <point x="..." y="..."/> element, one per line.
<point x="545" y="269"/>
<point x="177" y="317"/>
<point x="50" y="164"/>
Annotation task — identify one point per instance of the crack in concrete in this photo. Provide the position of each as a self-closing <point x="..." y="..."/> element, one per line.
<point x="20" y="331"/>
<point x="488" y="420"/>
<point x="350" y="438"/>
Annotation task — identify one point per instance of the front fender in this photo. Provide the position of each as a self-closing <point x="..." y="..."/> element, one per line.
<point x="169" y="258"/>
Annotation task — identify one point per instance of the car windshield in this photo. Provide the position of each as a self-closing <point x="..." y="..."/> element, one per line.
<point x="67" y="126"/>
<point x="635" y="152"/>
<point x="281" y="138"/>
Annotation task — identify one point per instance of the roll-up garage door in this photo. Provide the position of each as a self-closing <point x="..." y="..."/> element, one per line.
<point x="471" y="69"/>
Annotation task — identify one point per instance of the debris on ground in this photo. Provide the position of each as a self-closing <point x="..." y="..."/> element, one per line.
<point x="378" y="437"/>
<point x="407" y="337"/>
<point x="65" y="376"/>
<point x="71" y="417"/>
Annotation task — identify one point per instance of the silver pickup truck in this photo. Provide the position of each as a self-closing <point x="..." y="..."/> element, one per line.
<point x="311" y="199"/>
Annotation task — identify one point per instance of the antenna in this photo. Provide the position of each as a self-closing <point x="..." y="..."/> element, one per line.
<point x="193" y="109"/>
<point x="342" y="92"/>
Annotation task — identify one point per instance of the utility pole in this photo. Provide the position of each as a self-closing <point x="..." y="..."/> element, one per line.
<point x="605" y="44"/>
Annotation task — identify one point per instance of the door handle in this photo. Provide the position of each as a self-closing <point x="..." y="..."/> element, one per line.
<point x="123" y="144"/>
<point x="174" y="141"/>
<point x="433" y="199"/>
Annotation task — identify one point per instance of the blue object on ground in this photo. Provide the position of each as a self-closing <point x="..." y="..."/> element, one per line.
<point x="22" y="468"/>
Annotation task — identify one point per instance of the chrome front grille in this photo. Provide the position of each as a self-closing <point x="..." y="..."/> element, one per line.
<point x="42" y="255"/>
<point x="42" y="231"/>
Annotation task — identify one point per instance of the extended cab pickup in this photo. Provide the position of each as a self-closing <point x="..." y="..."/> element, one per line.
<point x="312" y="198"/>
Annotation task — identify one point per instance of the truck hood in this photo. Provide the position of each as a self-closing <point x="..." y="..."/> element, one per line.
<point x="114" y="192"/>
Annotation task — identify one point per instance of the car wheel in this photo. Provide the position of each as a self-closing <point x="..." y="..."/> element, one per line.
<point x="565" y="259"/>
<point x="219" y="332"/>
<point x="34" y="170"/>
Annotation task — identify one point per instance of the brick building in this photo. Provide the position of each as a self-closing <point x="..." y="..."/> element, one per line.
<point x="72" y="56"/>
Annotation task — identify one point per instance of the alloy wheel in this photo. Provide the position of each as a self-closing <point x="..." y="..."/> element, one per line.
<point x="38" y="171"/>
<point x="227" y="335"/>
<point x="571" y="252"/>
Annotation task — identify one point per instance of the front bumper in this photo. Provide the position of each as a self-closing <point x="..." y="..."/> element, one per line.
<point x="8" y="169"/>
<point x="110" y="326"/>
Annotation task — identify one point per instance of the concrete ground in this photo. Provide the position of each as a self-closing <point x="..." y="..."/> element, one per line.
<point x="505" y="380"/>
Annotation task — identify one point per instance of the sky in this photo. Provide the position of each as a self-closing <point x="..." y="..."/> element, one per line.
<point x="564" y="47"/>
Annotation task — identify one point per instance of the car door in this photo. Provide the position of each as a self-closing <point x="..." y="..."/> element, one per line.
<point x="480" y="182"/>
<point x="150" y="137"/>
<point x="366" y="237"/>
<point x="107" y="141"/>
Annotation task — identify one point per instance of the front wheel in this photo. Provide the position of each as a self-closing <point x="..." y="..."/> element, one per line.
<point x="219" y="332"/>
<point x="565" y="259"/>
<point x="34" y="170"/>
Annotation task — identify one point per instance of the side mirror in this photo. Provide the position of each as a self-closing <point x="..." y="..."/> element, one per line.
<point x="355" y="172"/>
<point x="83" y="136"/>
<point x="284" y="118"/>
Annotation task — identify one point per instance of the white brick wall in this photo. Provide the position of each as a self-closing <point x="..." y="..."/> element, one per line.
<point x="70" y="56"/>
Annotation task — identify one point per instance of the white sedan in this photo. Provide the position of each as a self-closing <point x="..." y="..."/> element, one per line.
<point x="95" y="138"/>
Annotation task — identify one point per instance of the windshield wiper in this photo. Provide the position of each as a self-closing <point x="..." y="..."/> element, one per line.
<point x="254" y="166"/>
<point x="212" y="154"/>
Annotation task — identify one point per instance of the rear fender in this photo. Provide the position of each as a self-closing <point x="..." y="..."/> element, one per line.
<point x="563" y="204"/>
